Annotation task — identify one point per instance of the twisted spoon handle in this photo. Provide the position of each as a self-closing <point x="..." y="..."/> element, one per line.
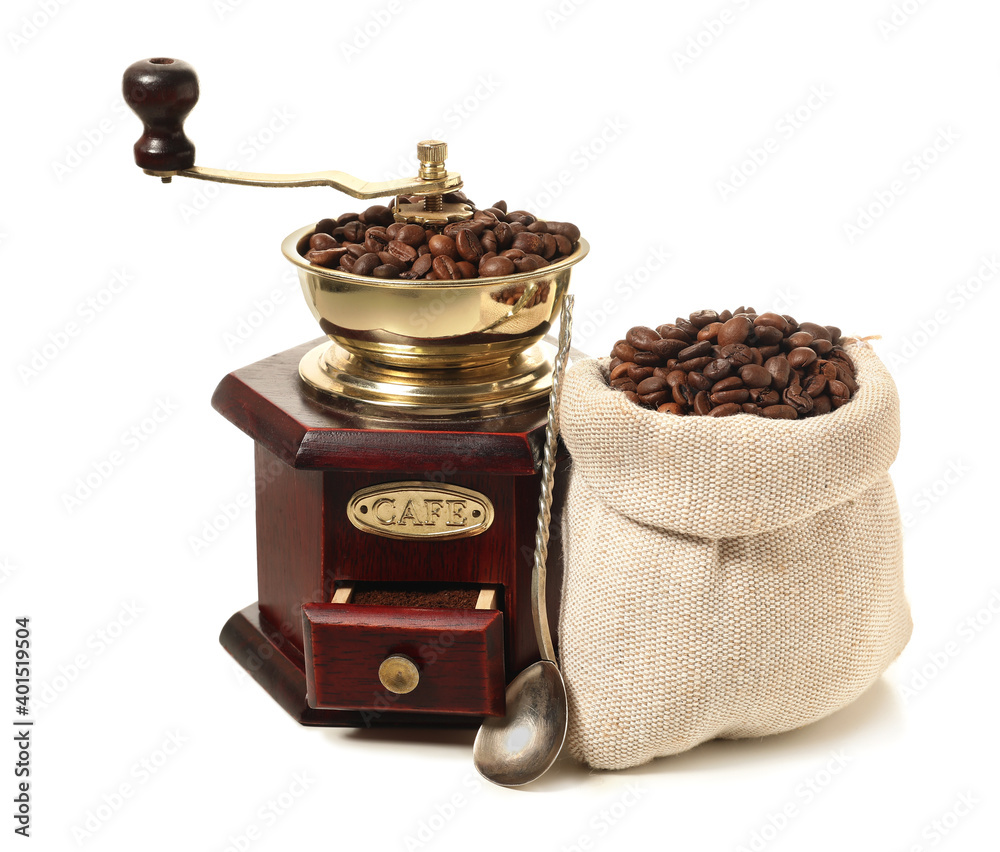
<point x="538" y="597"/>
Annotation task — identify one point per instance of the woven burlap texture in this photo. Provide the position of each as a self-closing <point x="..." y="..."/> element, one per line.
<point x="724" y="577"/>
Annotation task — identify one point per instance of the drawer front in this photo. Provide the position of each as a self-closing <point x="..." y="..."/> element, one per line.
<point x="455" y="656"/>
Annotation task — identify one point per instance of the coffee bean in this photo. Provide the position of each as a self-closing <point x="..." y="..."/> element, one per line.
<point x="495" y="266"/>
<point x="699" y="381"/>
<point x="422" y="264"/>
<point x="321" y="242"/>
<point x="386" y="270"/>
<point x="730" y="383"/>
<point x="815" y="385"/>
<point x="780" y="370"/>
<point x="700" y="319"/>
<point x="755" y="376"/>
<point x="800" y="338"/>
<point x="670" y="408"/>
<point x="770" y="320"/>
<point x="326" y="257"/>
<point x="468" y="246"/>
<point x="818" y="331"/>
<point x="708" y="332"/>
<point x="654" y="399"/>
<point x="702" y="404"/>
<point x="738" y="395"/>
<point x="767" y="335"/>
<point x="404" y="251"/>
<point x="822" y="405"/>
<point x="720" y="368"/>
<point x="736" y="353"/>
<point x="734" y="331"/>
<point x="780" y="412"/>
<point x="445" y="268"/>
<point x="365" y="265"/>
<point x="667" y="348"/>
<point x="751" y="408"/>
<point x="801" y="356"/>
<point x="466" y="269"/>
<point x="653" y="384"/>
<point x="725" y="410"/>
<point x="412" y="235"/>
<point x="697" y="350"/>
<point x="642" y="337"/>
<point x="684" y="394"/>
<point x="695" y="363"/>
<point x="620" y="370"/>
<point x="797" y="399"/>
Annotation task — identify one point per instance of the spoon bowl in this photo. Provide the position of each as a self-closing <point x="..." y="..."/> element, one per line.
<point x="517" y="748"/>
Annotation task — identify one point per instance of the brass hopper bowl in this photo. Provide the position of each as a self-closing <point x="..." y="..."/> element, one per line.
<point x="434" y="348"/>
<point x="441" y="347"/>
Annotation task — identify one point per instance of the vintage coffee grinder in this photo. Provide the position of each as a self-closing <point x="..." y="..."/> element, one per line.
<point x="397" y="462"/>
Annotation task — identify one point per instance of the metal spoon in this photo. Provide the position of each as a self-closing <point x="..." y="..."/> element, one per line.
<point x="519" y="747"/>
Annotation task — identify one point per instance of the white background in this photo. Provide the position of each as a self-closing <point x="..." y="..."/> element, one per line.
<point x="591" y="113"/>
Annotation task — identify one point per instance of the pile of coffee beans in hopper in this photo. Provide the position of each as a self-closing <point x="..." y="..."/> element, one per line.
<point x="735" y="362"/>
<point x="493" y="242"/>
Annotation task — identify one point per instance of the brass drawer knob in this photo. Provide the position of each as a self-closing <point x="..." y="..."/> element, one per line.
<point x="399" y="674"/>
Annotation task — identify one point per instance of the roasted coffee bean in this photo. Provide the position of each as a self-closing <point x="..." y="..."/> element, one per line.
<point x="494" y="266"/>
<point x="709" y="331"/>
<point x="624" y="383"/>
<point x="422" y="265"/>
<point x="818" y="331"/>
<point x="740" y="395"/>
<point x="695" y="363"/>
<point x="653" y="384"/>
<point x="800" y="338"/>
<point x="835" y="333"/>
<point x="815" y="385"/>
<point x="699" y="381"/>
<point x="445" y="268"/>
<point x="376" y="239"/>
<point x="377" y="214"/>
<point x="766" y="335"/>
<point x="720" y="368"/>
<point x="365" y="265"/>
<point x="652" y="400"/>
<point x="642" y="337"/>
<point x="321" y="242"/>
<point x="467" y="270"/>
<point x="667" y="347"/>
<point x="696" y="350"/>
<point x="780" y="370"/>
<point x="797" y="399"/>
<point x="700" y="319"/>
<point x="737" y="354"/>
<point x="638" y="374"/>
<point x="801" y="356"/>
<point x="468" y="246"/>
<point x="755" y="376"/>
<point x="822" y="405"/>
<point x="684" y="394"/>
<point x="734" y="331"/>
<point x="670" y="408"/>
<point x="780" y="412"/>
<point x="764" y="374"/>
<point x="621" y="369"/>
<point x="404" y="251"/>
<point x="391" y="259"/>
<point x="326" y="257"/>
<point x="647" y="359"/>
<point x="440" y="245"/>
<point x="325" y="226"/>
<point x="386" y="270"/>
<point x="632" y="397"/>
<point x="725" y="410"/>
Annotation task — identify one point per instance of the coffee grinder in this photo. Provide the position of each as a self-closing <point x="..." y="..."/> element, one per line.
<point x="397" y="461"/>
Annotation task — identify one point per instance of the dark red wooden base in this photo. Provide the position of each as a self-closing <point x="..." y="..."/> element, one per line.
<point x="313" y="453"/>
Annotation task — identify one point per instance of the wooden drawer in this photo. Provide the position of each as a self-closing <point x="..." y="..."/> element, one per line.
<point x="454" y="656"/>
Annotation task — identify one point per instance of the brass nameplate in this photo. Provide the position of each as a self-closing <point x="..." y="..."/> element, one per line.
<point x="420" y="510"/>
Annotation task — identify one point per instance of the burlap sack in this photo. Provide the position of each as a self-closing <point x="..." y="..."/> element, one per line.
<point x="724" y="577"/>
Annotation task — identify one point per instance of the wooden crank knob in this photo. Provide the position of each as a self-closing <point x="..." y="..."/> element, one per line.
<point x="162" y="92"/>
